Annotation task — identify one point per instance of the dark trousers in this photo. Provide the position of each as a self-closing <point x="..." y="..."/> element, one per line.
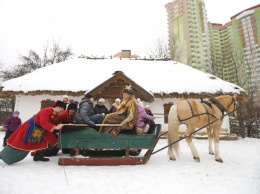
<point x="7" y="134"/>
<point x="97" y="119"/>
<point x="45" y="152"/>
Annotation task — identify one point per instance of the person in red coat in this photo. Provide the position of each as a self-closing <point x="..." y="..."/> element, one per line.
<point x="65" y="117"/>
<point x="68" y="116"/>
<point x="34" y="134"/>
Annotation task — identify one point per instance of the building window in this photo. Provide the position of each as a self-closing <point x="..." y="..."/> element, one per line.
<point x="166" y="108"/>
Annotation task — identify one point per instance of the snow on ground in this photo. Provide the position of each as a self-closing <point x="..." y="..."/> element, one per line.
<point x="239" y="174"/>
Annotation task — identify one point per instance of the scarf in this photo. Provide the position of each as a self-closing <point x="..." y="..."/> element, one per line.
<point x="125" y="104"/>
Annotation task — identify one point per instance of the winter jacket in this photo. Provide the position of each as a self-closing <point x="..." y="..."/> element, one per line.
<point x="113" y="108"/>
<point x="149" y="112"/>
<point x="12" y="123"/>
<point x="100" y="109"/>
<point x="65" y="118"/>
<point x="85" y="111"/>
<point x="142" y="117"/>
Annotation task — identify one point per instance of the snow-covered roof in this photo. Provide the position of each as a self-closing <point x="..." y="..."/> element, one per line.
<point x="80" y="74"/>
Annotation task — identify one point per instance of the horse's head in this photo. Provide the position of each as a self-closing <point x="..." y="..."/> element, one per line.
<point x="231" y="107"/>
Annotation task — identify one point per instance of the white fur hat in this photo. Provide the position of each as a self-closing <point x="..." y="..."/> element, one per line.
<point x="65" y="96"/>
<point x="118" y="100"/>
<point x="147" y="106"/>
<point x="101" y="100"/>
<point x="139" y="102"/>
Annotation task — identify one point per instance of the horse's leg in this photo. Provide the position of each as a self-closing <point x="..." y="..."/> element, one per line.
<point x="193" y="149"/>
<point x="173" y="132"/>
<point x="216" y="131"/>
<point x="209" y="129"/>
<point x="170" y="148"/>
<point x="170" y="153"/>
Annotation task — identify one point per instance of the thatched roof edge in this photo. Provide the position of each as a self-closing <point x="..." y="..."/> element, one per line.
<point x="11" y="94"/>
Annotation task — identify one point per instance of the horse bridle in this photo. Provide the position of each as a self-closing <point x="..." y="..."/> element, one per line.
<point x="233" y="111"/>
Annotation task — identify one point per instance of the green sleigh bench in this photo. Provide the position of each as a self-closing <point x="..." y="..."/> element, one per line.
<point x="93" y="148"/>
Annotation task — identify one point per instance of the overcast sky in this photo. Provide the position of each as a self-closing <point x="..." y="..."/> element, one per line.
<point x="92" y="27"/>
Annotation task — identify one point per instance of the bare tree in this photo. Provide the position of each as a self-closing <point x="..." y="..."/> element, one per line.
<point x="55" y="54"/>
<point x="30" y="62"/>
<point x="221" y="58"/>
<point x="249" y="110"/>
<point x="6" y="102"/>
<point x="13" y="72"/>
<point x="177" y="50"/>
<point x="168" y="49"/>
<point x="241" y="77"/>
<point x="160" y="49"/>
<point x="1" y="70"/>
<point x="33" y="61"/>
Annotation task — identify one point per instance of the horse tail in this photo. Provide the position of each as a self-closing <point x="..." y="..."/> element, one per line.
<point x="173" y="129"/>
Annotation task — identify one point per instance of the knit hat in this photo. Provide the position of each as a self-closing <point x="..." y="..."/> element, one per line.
<point x="60" y="104"/>
<point x="128" y="89"/>
<point x="72" y="106"/>
<point x="118" y="100"/>
<point x="16" y="112"/>
<point x="101" y="100"/>
<point x="88" y="95"/>
<point x="65" y="96"/>
<point x="139" y="102"/>
<point x="75" y="102"/>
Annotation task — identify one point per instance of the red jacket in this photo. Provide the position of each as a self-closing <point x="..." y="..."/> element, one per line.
<point x="47" y="119"/>
<point x="64" y="117"/>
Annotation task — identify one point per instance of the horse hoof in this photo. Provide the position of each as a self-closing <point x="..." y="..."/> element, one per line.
<point x="173" y="159"/>
<point x="219" y="160"/>
<point x="211" y="153"/>
<point x="197" y="159"/>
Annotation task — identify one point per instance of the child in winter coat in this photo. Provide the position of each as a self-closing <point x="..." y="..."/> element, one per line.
<point x="11" y="124"/>
<point x="114" y="106"/>
<point x="141" y="126"/>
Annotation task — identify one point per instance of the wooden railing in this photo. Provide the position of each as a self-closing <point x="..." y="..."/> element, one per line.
<point x="245" y="130"/>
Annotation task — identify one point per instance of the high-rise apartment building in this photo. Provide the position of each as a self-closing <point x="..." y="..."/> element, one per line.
<point x="222" y="46"/>
<point x="188" y="33"/>
<point x="246" y="35"/>
<point x="230" y="51"/>
<point x="235" y="50"/>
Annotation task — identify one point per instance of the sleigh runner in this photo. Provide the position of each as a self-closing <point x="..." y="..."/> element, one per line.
<point x="93" y="148"/>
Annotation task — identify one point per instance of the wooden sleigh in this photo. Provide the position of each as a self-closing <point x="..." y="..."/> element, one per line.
<point x="88" y="147"/>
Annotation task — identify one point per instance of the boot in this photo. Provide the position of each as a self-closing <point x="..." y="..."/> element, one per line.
<point x="38" y="157"/>
<point x="115" y="132"/>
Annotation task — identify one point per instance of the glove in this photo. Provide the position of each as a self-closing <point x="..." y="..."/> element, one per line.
<point x="93" y="125"/>
<point x="122" y="123"/>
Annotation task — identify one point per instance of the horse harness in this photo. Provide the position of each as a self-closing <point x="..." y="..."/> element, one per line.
<point x="195" y="115"/>
<point x="209" y="104"/>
